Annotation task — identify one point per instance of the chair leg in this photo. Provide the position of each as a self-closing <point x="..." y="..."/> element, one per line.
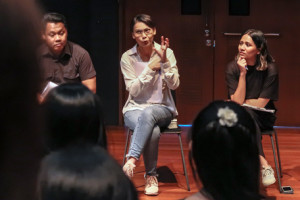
<point x="278" y="154"/>
<point x="126" y="145"/>
<point x="183" y="163"/>
<point x="276" y="164"/>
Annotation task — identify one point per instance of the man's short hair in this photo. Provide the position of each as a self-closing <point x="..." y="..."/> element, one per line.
<point x="54" y="18"/>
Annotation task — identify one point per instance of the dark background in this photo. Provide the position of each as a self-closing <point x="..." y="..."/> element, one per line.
<point x="93" y="24"/>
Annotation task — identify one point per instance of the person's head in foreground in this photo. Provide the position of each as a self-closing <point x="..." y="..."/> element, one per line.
<point x="73" y="115"/>
<point x="224" y="152"/>
<point x="83" y="172"/>
<point x="20" y="141"/>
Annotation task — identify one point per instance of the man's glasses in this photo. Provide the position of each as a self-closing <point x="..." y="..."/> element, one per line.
<point x="146" y="31"/>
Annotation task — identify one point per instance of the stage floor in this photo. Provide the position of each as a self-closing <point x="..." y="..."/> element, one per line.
<point x="172" y="184"/>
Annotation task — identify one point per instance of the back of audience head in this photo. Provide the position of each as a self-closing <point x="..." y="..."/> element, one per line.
<point x="20" y="144"/>
<point x="73" y="114"/>
<point x="224" y="151"/>
<point x="83" y="172"/>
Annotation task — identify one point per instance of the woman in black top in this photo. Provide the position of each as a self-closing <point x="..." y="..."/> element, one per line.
<point x="253" y="79"/>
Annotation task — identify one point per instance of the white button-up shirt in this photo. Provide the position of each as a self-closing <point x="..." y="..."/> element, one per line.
<point x="139" y="86"/>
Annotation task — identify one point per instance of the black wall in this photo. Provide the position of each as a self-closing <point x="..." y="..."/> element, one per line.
<point x="93" y="24"/>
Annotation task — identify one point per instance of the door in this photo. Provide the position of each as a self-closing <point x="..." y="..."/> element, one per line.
<point x="204" y="43"/>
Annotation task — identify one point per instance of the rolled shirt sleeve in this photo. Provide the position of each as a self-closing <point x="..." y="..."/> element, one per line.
<point x="170" y="71"/>
<point x="135" y="84"/>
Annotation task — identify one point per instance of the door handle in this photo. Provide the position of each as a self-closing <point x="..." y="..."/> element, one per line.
<point x="265" y="34"/>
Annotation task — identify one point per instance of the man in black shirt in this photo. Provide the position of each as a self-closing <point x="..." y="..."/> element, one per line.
<point x="61" y="60"/>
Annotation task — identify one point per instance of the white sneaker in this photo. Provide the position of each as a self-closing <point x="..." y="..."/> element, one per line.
<point x="267" y="176"/>
<point x="151" y="187"/>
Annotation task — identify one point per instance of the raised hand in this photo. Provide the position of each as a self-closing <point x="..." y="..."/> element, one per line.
<point x="162" y="51"/>
<point x="242" y="63"/>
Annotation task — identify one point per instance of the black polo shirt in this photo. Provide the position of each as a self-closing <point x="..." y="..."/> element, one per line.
<point x="73" y="65"/>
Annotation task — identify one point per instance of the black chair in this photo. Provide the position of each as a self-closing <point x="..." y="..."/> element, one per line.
<point x="277" y="163"/>
<point x="177" y="131"/>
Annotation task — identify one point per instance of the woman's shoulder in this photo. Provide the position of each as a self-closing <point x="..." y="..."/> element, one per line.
<point x="231" y="66"/>
<point x="272" y="69"/>
<point x="272" y="65"/>
<point x="129" y="53"/>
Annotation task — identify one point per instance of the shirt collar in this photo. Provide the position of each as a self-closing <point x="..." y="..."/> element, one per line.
<point x="133" y="50"/>
<point x="67" y="50"/>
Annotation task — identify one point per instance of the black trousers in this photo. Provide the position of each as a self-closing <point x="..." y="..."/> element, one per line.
<point x="263" y="121"/>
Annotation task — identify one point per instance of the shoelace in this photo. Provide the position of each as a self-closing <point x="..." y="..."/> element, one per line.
<point x="267" y="172"/>
<point x="151" y="181"/>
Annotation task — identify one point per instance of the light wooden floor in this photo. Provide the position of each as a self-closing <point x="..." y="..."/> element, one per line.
<point x="172" y="184"/>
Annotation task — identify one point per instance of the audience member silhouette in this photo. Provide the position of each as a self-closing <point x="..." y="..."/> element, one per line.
<point x="224" y="153"/>
<point x="83" y="172"/>
<point x="73" y="114"/>
<point x="78" y="166"/>
<point x="20" y="141"/>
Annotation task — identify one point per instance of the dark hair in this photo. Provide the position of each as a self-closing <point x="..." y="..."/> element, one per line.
<point x="83" y="172"/>
<point x="146" y="19"/>
<point x="20" y="141"/>
<point x="54" y="18"/>
<point x="264" y="57"/>
<point x="73" y="114"/>
<point x="225" y="151"/>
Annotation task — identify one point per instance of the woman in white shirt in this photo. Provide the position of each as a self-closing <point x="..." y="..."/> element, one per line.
<point x="149" y="72"/>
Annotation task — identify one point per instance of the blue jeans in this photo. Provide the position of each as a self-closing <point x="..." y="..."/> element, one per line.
<point x="146" y="125"/>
